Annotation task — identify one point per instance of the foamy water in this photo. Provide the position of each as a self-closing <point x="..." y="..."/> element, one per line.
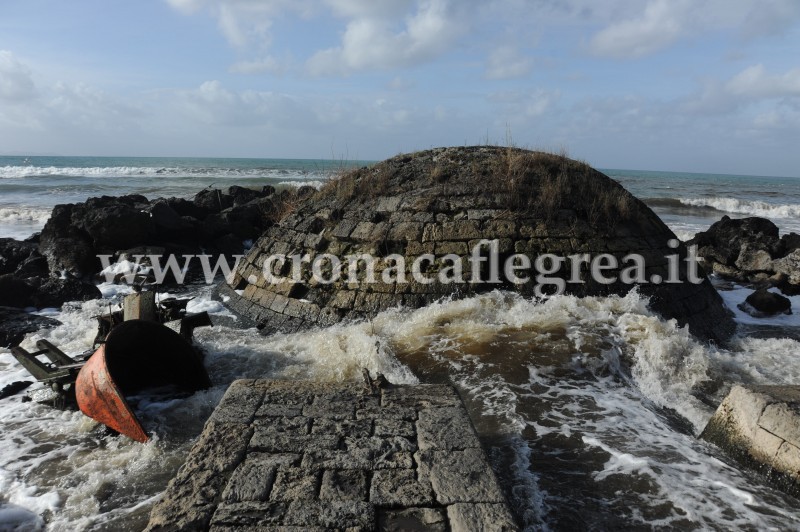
<point x="589" y="406"/>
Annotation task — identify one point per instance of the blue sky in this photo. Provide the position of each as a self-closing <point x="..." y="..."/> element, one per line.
<point x="685" y="85"/>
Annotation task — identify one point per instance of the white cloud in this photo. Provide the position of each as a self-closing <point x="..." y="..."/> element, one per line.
<point x="660" y="24"/>
<point x="506" y="62"/>
<point x="258" y="66"/>
<point x="373" y="41"/>
<point x="16" y="83"/>
<point x="653" y="26"/>
<point x="754" y="81"/>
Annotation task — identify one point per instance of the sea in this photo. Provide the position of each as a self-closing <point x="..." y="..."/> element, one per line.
<point x="589" y="408"/>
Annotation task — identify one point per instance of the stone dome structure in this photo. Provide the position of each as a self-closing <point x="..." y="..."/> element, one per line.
<point x="436" y="209"/>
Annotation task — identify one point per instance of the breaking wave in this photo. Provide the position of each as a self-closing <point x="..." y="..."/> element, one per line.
<point x="749" y="207"/>
<point x="17" y="172"/>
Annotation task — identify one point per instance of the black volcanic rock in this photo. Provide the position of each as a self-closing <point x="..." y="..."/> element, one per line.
<point x="14" y="252"/>
<point x="749" y="250"/>
<point x="43" y="292"/>
<point x="724" y="240"/>
<point x="444" y="201"/>
<point x="15" y="324"/>
<point x="763" y="303"/>
<point x="212" y="223"/>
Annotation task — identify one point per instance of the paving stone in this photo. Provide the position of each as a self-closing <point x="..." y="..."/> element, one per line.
<point x="446" y="428"/>
<point x="394" y="427"/>
<point x="380" y="449"/>
<point x="294" y="426"/>
<point x="331" y="411"/>
<point x="239" y="404"/>
<point x="459" y="476"/>
<point x="357" y="428"/>
<point x="332" y="514"/>
<point x="244" y="514"/>
<point x="267" y="441"/>
<point x="279" y="410"/>
<point x="400" y="459"/>
<point x="412" y="519"/>
<point x="295" y="483"/>
<point x="284" y="470"/>
<point x="486" y="517"/>
<point x="421" y="396"/>
<point x="337" y="459"/>
<point x="387" y="412"/>
<point x="399" y="487"/>
<point x="344" y="485"/>
<point x="250" y="481"/>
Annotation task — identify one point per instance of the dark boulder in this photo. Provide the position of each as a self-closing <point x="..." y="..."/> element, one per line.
<point x="14" y="388"/>
<point x="724" y="240"/>
<point x="789" y="243"/>
<point x="15" y="324"/>
<point x="44" y="292"/>
<point x="213" y="200"/>
<point x="15" y="292"/>
<point x="242" y="195"/>
<point x="749" y="250"/>
<point x="185" y="207"/>
<point x="15" y="252"/>
<point x="76" y="233"/>
<point x="172" y="226"/>
<point x="763" y="303"/>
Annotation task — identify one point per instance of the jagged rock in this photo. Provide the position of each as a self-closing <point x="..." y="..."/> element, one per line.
<point x="213" y="200"/>
<point x="76" y="233"/>
<point x="763" y="303"/>
<point x="13" y="253"/>
<point x="242" y="195"/>
<point x="215" y="222"/>
<point x="13" y="388"/>
<point x="15" y="292"/>
<point x="43" y="292"/>
<point x="789" y="243"/>
<point x="167" y="219"/>
<point x="16" y="323"/>
<point x="749" y="250"/>
<point x="445" y="201"/>
<point x="186" y="207"/>
<point x="723" y="241"/>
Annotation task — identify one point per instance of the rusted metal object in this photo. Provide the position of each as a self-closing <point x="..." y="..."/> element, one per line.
<point x="99" y="398"/>
<point x="136" y="355"/>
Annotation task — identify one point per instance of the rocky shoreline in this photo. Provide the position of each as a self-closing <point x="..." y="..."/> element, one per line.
<point x="412" y="204"/>
<point x="61" y="263"/>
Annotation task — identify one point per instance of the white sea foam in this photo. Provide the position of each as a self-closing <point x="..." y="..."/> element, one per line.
<point x="315" y="183"/>
<point x="733" y="298"/>
<point x="748" y="207"/>
<point x="18" y="221"/>
<point x="592" y="384"/>
<point x="17" y="172"/>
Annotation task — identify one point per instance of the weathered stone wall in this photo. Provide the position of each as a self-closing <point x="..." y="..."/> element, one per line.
<point x="446" y="201"/>
<point x="760" y="427"/>
<point x="330" y="456"/>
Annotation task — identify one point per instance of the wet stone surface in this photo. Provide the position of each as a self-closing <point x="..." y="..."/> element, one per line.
<point x="282" y="455"/>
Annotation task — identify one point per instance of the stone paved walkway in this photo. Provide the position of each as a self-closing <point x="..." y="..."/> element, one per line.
<point x="288" y="455"/>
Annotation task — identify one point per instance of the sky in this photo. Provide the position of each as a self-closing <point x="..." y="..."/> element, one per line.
<point x="680" y="85"/>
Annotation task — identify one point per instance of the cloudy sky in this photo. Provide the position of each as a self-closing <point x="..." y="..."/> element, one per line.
<point x="685" y="85"/>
